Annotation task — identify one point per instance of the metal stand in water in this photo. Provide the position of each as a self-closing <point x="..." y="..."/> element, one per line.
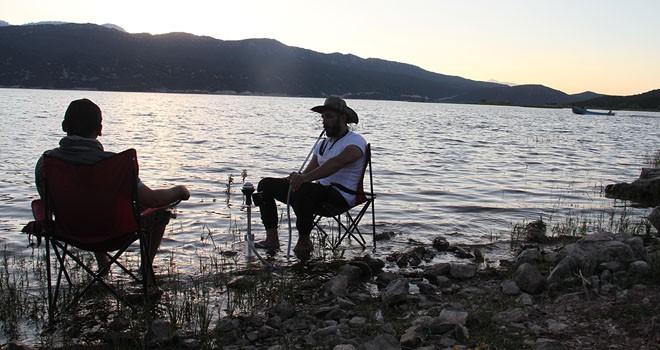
<point x="247" y="190"/>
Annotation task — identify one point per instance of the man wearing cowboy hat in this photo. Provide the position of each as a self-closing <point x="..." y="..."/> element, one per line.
<point x="337" y="164"/>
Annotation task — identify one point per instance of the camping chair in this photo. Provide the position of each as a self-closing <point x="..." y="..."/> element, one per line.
<point x="353" y="215"/>
<point x="92" y="208"/>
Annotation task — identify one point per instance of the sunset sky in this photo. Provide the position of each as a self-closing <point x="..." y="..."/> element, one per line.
<point x="605" y="46"/>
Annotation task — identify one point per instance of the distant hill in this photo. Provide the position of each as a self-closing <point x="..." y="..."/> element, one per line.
<point x="85" y="56"/>
<point x="647" y="101"/>
<point x="88" y="56"/>
<point x="525" y="95"/>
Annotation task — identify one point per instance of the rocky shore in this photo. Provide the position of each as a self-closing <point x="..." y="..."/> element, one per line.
<point x="599" y="292"/>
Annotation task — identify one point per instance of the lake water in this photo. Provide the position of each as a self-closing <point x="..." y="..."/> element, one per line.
<point x="464" y="172"/>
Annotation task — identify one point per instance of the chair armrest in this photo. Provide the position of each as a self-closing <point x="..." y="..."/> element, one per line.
<point x="151" y="210"/>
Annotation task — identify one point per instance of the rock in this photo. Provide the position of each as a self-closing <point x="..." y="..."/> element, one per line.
<point x="531" y="255"/>
<point x="529" y="279"/>
<point x="437" y="326"/>
<point x="412" y="338"/>
<point x="382" y="342"/>
<point x="654" y="218"/>
<point x="352" y="272"/>
<point x="535" y="231"/>
<point x="384" y="278"/>
<point x="478" y="255"/>
<point x="461" y="333"/>
<point x="516" y="315"/>
<point x="161" y="334"/>
<point x="548" y="344"/>
<point x="462" y="271"/>
<point x="453" y="316"/>
<point x="17" y="345"/>
<point x="590" y="251"/>
<point x="365" y="270"/>
<point x="638" y="266"/>
<point x="509" y="287"/>
<point x="555" y="326"/>
<point x="191" y="344"/>
<point x="119" y="323"/>
<point x="434" y="271"/>
<point x="337" y="286"/>
<point x="441" y="244"/>
<point x="357" y="321"/>
<point x="344" y="347"/>
<point x="396" y="291"/>
<point x="644" y="191"/>
<point x="325" y="332"/>
<point x="283" y="310"/>
<point x="241" y="283"/>
<point x="376" y="265"/>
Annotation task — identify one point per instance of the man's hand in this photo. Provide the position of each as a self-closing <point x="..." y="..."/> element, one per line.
<point x="296" y="180"/>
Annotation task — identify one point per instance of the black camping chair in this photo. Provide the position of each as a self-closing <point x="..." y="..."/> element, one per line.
<point x="349" y="227"/>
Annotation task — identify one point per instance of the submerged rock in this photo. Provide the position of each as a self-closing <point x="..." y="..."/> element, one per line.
<point x="644" y="191"/>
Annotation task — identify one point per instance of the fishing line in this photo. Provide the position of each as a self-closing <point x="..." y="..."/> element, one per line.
<point x="288" y="195"/>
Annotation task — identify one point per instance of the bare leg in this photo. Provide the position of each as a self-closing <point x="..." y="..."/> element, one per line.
<point x="102" y="260"/>
<point x="155" y="237"/>
<point x="272" y="240"/>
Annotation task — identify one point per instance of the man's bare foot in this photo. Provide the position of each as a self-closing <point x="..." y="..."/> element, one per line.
<point x="270" y="244"/>
<point x="304" y="247"/>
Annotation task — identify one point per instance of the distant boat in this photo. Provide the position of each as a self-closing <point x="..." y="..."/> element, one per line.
<point x="583" y="111"/>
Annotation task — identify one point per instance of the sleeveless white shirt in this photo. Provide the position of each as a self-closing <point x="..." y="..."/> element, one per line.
<point x="350" y="175"/>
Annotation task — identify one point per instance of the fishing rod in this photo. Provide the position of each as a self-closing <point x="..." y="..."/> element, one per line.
<point x="288" y="195"/>
<point x="248" y="190"/>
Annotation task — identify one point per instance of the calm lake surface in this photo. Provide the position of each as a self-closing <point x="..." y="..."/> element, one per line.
<point x="464" y="172"/>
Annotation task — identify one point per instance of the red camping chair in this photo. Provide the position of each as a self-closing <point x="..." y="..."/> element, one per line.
<point x="92" y="208"/>
<point x="353" y="215"/>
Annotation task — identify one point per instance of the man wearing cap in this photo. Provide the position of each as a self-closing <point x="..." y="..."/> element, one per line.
<point x="337" y="164"/>
<point x="83" y="124"/>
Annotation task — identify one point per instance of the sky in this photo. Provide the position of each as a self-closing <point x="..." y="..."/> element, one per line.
<point x="606" y="46"/>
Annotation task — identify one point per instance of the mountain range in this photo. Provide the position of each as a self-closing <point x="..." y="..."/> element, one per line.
<point x="88" y="56"/>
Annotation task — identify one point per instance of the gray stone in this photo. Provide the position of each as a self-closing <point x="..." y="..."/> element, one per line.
<point x="357" y="321"/>
<point x="441" y="244"/>
<point x="529" y="279"/>
<point x="453" y="316"/>
<point x="638" y="266"/>
<point x="337" y="286"/>
<point x="654" y="218"/>
<point x="548" y="344"/>
<point x="344" y="347"/>
<point x="589" y="252"/>
<point x="462" y="271"/>
<point x="18" y="345"/>
<point x="161" y="334"/>
<point x="396" y="292"/>
<point x="352" y="272"/>
<point x="192" y="344"/>
<point x="437" y="326"/>
<point x="516" y="315"/>
<point x="382" y="342"/>
<point x="556" y="326"/>
<point x="531" y="255"/>
<point x="327" y="331"/>
<point x="509" y="287"/>
<point x="411" y="338"/>
<point x="462" y="334"/>
<point x="283" y="310"/>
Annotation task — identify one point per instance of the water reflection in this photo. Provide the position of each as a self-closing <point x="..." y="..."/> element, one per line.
<point x="466" y="172"/>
